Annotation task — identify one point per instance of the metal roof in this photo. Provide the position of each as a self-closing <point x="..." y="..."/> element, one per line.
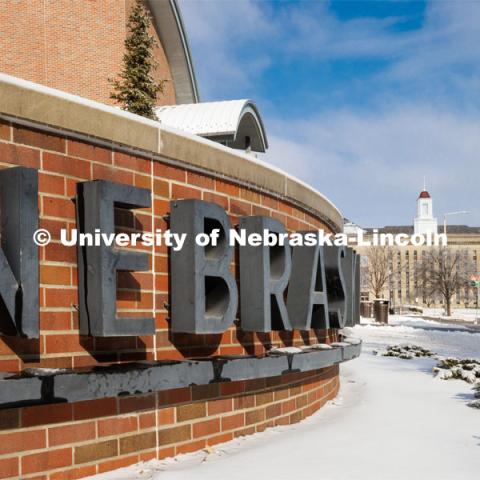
<point x="235" y="123"/>
<point x="168" y="22"/>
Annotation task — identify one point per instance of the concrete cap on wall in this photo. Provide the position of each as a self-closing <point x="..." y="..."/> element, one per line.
<point x="45" y="108"/>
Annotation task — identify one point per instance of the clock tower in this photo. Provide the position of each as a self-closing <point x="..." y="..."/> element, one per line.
<point x="425" y="222"/>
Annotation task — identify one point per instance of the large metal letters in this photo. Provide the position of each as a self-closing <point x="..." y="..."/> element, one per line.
<point x="264" y="274"/>
<point x="203" y="290"/>
<point x="323" y="282"/>
<point x="307" y="302"/>
<point x="18" y="252"/>
<point x="98" y="265"/>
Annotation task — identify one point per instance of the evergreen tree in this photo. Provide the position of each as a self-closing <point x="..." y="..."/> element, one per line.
<point x="136" y="90"/>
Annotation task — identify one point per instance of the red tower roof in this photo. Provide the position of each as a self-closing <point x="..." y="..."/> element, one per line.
<point x="424" y="194"/>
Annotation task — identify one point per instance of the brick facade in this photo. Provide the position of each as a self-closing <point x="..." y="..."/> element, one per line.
<point x="71" y="45"/>
<point x="75" y="440"/>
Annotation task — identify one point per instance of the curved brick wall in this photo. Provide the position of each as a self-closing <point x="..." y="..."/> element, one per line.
<point x="63" y="163"/>
<point x="80" y="439"/>
<point x="73" y="441"/>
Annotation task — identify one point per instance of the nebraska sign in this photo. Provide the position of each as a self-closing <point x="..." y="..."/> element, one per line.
<point x="280" y="287"/>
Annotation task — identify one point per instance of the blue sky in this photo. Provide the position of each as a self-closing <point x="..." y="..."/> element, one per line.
<point x="360" y="99"/>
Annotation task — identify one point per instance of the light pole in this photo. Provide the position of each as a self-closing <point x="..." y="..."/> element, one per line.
<point x="461" y="212"/>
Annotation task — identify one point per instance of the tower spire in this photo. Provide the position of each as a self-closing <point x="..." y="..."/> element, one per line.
<point x="424" y="184"/>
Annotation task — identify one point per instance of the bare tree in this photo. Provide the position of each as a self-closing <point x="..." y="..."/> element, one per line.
<point x="423" y="283"/>
<point x="444" y="271"/>
<point x="377" y="268"/>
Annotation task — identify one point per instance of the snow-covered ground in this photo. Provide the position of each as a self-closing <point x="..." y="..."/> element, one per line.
<point x="465" y="314"/>
<point x="442" y="338"/>
<point x="391" y="420"/>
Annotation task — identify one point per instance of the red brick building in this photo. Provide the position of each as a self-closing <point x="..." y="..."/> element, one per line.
<point x="77" y="46"/>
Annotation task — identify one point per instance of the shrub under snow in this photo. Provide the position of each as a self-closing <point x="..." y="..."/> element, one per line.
<point x="407" y="352"/>
<point x="475" y="403"/>
<point x="464" y="369"/>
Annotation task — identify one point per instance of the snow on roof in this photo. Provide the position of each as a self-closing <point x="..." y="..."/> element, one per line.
<point x="236" y="123"/>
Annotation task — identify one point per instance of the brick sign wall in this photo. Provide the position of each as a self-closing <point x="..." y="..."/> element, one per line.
<point x="62" y="164"/>
<point x="73" y="440"/>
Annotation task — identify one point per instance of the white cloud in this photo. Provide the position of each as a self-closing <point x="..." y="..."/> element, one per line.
<point x="444" y="46"/>
<point x="372" y="165"/>
<point x="218" y="31"/>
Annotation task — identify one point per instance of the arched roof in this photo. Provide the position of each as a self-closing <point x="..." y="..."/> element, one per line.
<point x="169" y="26"/>
<point x="235" y="123"/>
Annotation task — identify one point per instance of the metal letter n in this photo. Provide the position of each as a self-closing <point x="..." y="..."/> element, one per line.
<point x="18" y="253"/>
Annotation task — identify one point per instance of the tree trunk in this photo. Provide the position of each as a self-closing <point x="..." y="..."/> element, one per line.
<point x="448" y="307"/>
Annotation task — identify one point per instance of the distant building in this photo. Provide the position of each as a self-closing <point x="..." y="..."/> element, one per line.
<point x="350" y="228"/>
<point x="403" y="286"/>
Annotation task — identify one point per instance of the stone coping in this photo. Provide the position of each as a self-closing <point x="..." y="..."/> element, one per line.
<point x="70" y="115"/>
<point x="46" y="386"/>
